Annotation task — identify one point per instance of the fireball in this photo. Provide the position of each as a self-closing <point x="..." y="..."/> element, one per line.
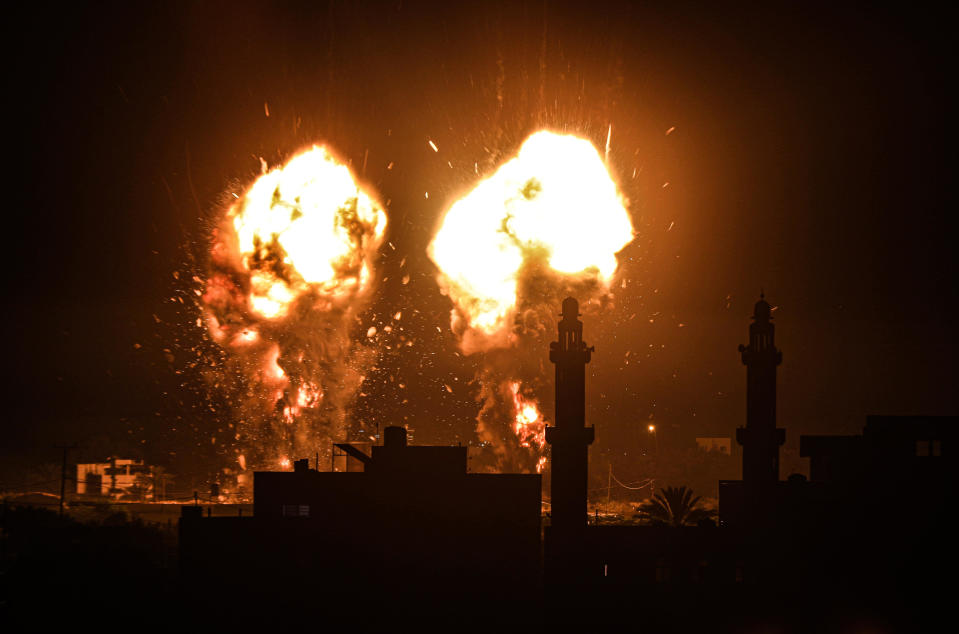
<point x="304" y="225"/>
<point x="291" y="266"/>
<point x="555" y="200"/>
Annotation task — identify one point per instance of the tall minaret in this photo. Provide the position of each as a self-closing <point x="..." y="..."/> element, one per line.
<point x="760" y="437"/>
<point x="569" y="437"/>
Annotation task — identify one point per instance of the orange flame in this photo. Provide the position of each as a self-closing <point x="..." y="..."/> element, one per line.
<point x="308" y="396"/>
<point x="529" y="425"/>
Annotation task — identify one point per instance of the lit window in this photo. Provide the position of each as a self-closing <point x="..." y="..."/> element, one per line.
<point x="922" y="447"/>
<point x="936" y="448"/>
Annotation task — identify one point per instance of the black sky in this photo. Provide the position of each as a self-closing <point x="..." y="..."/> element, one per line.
<point x="810" y="155"/>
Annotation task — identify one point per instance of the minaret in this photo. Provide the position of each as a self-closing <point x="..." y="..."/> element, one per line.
<point x="569" y="437"/>
<point x="760" y="437"/>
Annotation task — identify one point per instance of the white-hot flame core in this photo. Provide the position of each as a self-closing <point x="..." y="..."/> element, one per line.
<point x="274" y="372"/>
<point x="300" y="219"/>
<point x="555" y="197"/>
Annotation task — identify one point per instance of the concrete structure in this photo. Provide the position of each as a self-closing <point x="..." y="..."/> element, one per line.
<point x="413" y="523"/>
<point x="863" y="541"/>
<point x="890" y="446"/>
<point x="115" y="477"/>
<point x="867" y="537"/>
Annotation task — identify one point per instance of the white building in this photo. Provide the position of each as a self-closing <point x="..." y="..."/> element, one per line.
<point x="115" y="477"/>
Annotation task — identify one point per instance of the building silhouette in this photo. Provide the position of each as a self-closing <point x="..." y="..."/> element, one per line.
<point x="898" y="448"/>
<point x="795" y="553"/>
<point x="861" y="541"/>
<point x="115" y="477"/>
<point x="412" y="531"/>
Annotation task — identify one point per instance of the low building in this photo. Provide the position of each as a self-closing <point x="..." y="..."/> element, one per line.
<point x="413" y="523"/>
<point x="890" y="447"/>
<point x="114" y="477"/>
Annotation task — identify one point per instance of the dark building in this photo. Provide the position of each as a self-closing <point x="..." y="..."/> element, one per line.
<point x="413" y="530"/>
<point x="858" y="544"/>
<point x="870" y="529"/>
<point x="891" y="447"/>
<point x="612" y="565"/>
<point x="897" y="460"/>
<point x="852" y="478"/>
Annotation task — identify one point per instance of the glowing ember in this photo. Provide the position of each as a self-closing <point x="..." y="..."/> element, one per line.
<point x="554" y="200"/>
<point x="302" y="225"/>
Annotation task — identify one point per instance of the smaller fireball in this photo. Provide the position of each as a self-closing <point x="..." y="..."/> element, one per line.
<point x="530" y="427"/>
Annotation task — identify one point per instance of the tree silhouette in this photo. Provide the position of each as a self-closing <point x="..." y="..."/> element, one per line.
<point x="674" y="506"/>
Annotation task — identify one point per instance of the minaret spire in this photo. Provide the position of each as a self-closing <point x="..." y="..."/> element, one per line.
<point x="569" y="437"/>
<point x="760" y="437"/>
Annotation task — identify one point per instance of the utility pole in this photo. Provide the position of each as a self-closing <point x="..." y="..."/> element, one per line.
<point x="609" y="485"/>
<point x="63" y="472"/>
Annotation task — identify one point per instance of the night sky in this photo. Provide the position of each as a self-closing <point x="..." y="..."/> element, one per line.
<point x="808" y="154"/>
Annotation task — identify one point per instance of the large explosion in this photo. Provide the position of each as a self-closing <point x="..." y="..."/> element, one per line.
<point x="547" y="223"/>
<point x="291" y="266"/>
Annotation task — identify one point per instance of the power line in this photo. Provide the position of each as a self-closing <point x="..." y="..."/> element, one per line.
<point x="643" y="485"/>
<point x="8" y="484"/>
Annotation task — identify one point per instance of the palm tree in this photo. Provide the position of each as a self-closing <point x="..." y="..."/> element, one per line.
<point x="674" y="506"/>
